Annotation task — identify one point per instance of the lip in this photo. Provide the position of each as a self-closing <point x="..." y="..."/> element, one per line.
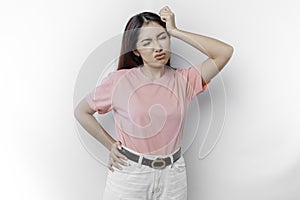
<point x="160" y="56"/>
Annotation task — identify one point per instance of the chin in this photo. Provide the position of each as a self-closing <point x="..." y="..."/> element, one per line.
<point x="160" y="63"/>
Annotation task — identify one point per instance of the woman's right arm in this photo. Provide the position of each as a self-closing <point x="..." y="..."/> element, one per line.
<point x="84" y="115"/>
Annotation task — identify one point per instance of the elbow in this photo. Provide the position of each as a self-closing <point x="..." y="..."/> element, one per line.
<point x="224" y="57"/>
<point x="76" y="113"/>
<point x="229" y="51"/>
<point x="225" y="53"/>
<point x="81" y="110"/>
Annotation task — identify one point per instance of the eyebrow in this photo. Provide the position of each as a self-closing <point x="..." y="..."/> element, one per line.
<point x="157" y="36"/>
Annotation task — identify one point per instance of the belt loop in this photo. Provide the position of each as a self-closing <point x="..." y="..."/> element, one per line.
<point x="140" y="160"/>
<point x="172" y="160"/>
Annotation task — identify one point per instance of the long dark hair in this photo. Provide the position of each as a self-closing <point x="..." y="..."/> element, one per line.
<point x="128" y="59"/>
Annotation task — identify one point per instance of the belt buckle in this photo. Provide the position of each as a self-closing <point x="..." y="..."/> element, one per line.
<point x="158" y="160"/>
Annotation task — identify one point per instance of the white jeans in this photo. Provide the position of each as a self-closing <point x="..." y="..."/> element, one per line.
<point x="141" y="182"/>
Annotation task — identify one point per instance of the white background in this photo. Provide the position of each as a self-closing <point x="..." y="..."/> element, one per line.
<point x="43" y="45"/>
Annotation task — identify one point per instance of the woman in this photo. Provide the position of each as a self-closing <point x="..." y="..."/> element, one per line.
<point x="149" y="99"/>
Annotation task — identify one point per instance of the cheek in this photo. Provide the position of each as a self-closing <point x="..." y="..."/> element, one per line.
<point x="146" y="53"/>
<point x="166" y="45"/>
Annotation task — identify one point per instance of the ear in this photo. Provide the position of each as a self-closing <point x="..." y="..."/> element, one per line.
<point x="136" y="53"/>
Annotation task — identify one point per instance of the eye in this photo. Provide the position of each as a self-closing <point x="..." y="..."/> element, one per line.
<point x="162" y="38"/>
<point x="145" y="44"/>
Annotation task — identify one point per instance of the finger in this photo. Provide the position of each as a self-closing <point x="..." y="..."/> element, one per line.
<point x="109" y="166"/>
<point x="118" y="154"/>
<point x="166" y="14"/>
<point x="116" y="145"/>
<point x="164" y="10"/>
<point x="117" y="165"/>
<point x="167" y="8"/>
<point x="119" y="157"/>
<point x="164" y="19"/>
<point x="119" y="145"/>
<point x="122" y="162"/>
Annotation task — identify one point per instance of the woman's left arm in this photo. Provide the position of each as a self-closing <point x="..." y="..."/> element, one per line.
<point x="218" y="52"/>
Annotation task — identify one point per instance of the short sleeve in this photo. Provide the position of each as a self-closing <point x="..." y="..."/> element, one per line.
<point x="194" y="81"/>
<point x="100" y="99"/>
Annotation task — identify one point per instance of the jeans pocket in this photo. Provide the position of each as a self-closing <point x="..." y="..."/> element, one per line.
<point x="126" y="168"/>
<point x="179" y="165"/>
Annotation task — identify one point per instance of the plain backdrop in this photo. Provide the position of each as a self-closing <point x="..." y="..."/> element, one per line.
<point x="44" y="44"/>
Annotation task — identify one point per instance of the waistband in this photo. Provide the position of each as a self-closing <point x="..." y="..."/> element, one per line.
<point x="150" y="156"/>
<point x="157" y="163"/>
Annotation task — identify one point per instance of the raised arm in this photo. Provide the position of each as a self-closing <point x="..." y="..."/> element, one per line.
<point x="217" y="51"/>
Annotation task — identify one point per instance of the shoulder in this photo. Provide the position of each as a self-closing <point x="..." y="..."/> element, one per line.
<point x="190" y="71"/>
<point x="117" y="74"/>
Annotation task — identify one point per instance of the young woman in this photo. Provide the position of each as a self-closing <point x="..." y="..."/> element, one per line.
<point x="149" y="99"/>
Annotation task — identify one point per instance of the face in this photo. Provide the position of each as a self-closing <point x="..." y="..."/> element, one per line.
<point x="153" y="45"/>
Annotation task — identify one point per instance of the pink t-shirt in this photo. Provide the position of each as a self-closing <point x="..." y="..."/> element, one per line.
<point x="149" y="114"/>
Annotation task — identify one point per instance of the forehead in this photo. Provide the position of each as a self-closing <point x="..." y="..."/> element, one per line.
<point x="150" y="30"/>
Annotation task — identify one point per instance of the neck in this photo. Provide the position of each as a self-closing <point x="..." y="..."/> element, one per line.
<point x="153" y="72"/>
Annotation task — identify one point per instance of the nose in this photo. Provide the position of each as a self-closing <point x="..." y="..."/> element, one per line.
<point x="157" y="46"/>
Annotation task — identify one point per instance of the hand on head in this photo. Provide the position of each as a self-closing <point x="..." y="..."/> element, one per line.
<point x="168" y="17"/>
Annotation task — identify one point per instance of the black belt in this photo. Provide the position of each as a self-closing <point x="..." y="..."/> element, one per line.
<point x="158" y="163"/>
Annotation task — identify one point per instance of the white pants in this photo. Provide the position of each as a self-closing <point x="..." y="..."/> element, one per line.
<point x="141" y="182"/>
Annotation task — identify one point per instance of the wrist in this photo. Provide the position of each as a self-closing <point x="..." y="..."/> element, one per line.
<point x="116" y="144"/>
<point x="174" y="32"/>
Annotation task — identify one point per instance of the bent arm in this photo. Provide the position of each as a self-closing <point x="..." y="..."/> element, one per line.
<point x="218" y="52"/>
<point x="84" y="115"/>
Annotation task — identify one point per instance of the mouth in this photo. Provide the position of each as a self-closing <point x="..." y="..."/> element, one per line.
<point x="160" y="56"/>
